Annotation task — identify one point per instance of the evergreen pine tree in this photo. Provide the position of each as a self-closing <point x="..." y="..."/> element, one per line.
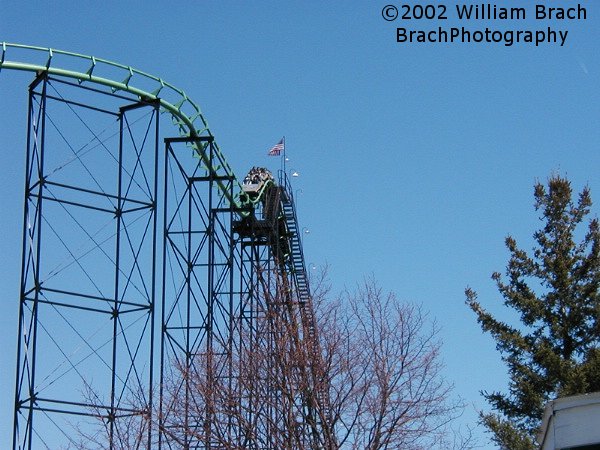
<point x="555" y="349"/>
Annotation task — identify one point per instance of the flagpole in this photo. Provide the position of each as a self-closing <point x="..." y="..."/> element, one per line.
<point x="284" y="156"/>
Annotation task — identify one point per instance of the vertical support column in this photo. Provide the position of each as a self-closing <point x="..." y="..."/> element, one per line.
<point x="25" y="392"/>
<point x="259" y="326"/>
<point x="85" y="346"/>
<point x="197" y="298"/>
<point x="258" y="393"/>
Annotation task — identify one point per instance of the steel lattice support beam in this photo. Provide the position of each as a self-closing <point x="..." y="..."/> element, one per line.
<point x="255" y="349"/>
<point x="88" y="270"/>
<point x="197" y="298"/>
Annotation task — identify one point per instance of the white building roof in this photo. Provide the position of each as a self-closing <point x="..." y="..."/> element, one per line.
<point x="571" y="422"/>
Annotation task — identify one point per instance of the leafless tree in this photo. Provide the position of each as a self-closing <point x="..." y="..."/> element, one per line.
<point x="376" y="382"/>
<point x="384" y="367"/>
<point x="379" y="362"/>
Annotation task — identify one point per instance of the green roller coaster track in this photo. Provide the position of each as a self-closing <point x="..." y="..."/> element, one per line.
<point x="185" y="112"/>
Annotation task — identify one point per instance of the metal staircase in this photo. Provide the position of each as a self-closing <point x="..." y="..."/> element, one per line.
<point x="294" y="260"/>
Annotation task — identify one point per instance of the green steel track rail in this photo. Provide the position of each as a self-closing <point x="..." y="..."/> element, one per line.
<point x="185" y="112"/>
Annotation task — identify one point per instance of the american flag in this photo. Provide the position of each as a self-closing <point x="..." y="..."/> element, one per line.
<point x="277" y="148"/>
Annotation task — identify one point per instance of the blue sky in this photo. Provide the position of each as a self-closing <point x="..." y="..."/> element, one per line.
<point x="415" y="161"/>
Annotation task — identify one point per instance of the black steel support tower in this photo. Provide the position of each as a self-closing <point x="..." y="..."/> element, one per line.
<point x="197" y="297"/>
<point x="88" y="270"/>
